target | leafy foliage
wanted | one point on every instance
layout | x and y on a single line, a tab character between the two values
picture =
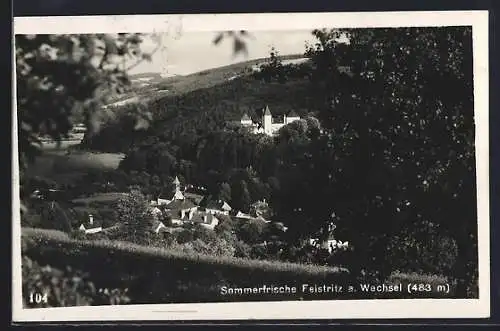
66	78
402	130
64	288
134	214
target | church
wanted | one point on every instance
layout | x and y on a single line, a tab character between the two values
267	124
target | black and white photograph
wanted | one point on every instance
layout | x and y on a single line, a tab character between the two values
251	166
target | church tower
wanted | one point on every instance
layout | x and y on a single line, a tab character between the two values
267	121
177	184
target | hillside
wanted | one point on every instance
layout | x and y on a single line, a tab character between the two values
205	102
154	275
147	86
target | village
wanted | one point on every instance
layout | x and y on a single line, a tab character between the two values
181	207
173	211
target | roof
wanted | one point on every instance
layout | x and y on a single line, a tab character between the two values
226	206
87	225
245	117
262	219
157	224
180	205
196	198
173	195
176	181
242	215
198	217
267	111
293	114
210	203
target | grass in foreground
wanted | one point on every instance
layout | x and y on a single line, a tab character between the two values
154	275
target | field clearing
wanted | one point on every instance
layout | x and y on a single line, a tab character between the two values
100	198
64	166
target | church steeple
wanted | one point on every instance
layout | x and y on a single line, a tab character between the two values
267	121
267	112
177	184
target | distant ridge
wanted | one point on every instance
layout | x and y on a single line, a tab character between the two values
238	64
149	86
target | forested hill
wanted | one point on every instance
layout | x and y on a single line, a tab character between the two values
202	110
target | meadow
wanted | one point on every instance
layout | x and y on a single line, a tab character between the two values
65	164
154	275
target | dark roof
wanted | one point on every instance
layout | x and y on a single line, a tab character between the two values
293	114
196	198
245	117
210	203
180	204
87	225
198	217
205	201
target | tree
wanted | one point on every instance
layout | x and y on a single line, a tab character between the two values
61	79
134	213
66	79
241	196
225	192
398	109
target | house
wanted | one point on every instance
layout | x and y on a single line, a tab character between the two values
157	226
330	244
267	124
215	207
194	197
204	219
91	227
246	120
156	211
242	215
281	226
172	196
178	209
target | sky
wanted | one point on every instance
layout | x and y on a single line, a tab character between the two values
194	51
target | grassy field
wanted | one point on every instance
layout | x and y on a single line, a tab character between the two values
57	164
155	275
100	198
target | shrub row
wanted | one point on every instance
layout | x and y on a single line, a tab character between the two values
154	275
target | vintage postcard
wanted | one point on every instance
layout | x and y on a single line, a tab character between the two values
251	166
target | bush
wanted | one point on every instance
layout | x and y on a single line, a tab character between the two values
422	251
251	231
62	288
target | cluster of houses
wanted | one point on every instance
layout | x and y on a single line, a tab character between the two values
329	243
181	208
267	123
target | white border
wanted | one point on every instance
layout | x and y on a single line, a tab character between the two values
359	309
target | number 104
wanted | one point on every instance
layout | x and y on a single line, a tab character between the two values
38	298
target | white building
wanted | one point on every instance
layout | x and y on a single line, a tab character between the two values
173	196
91	227
267	125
